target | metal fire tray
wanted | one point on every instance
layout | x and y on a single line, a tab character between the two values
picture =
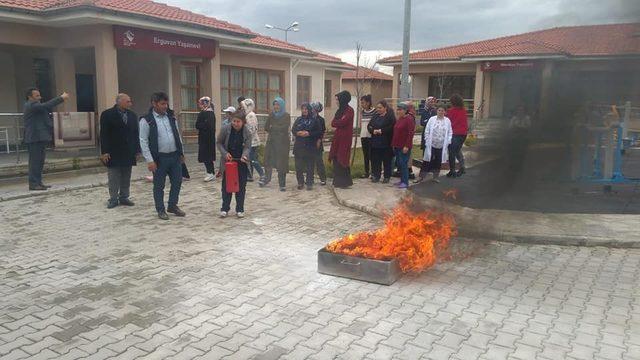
374	271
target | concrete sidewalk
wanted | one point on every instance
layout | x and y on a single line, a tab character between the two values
620	231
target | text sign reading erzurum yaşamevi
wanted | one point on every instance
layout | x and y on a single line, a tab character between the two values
140	39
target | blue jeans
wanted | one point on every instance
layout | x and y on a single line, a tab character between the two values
255	164
168	164
403	164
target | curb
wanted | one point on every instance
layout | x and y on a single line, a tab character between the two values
470	229
60	190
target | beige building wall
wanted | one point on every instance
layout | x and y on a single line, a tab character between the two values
141	84
336	86
8	90
316	72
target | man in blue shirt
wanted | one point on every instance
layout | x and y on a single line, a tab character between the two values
162	149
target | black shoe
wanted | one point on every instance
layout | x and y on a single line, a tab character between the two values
386	180
126	202
451	174
283	189
37	188
112	204
460	172
176	211
47	186
300	187
163	215
323	182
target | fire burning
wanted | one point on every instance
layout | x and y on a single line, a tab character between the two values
416	239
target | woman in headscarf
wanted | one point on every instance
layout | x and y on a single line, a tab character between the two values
340	152
234	144
248	107
307	132
276	153
322	172
206	125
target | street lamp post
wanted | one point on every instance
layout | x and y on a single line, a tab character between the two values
293	27
404	80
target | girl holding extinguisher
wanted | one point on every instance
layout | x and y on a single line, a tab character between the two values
234	144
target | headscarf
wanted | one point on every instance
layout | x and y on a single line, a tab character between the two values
343	99
306	121
316	108
206	101
280	102
248	106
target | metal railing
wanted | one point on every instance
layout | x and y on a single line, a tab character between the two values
11	124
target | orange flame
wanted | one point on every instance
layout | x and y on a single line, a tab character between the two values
451	193
415	239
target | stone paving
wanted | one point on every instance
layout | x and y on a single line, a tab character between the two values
81	281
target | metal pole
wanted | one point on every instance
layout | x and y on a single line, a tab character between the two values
17	126
286	39
404	80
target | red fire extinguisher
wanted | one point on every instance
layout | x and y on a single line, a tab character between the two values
231	176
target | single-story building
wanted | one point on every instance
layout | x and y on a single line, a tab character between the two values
94	49
558	68
378	84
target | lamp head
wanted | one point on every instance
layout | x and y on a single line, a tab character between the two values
268	26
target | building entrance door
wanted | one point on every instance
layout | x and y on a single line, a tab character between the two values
85	90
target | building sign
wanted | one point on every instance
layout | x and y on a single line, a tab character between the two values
495	66
140	39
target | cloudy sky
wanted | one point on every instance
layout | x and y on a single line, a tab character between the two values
334	26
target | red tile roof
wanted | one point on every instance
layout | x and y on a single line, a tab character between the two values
166	12
572	41
366	74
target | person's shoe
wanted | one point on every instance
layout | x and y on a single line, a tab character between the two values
397	183
262	182
283	189
209	177
45	185
163	215
460	172
176	211
375	180
186	179
240	214
37	188
402	186
411	176
126	202
451	173
223	214
309	187
219	174
386	180
300	187
323	182
112	204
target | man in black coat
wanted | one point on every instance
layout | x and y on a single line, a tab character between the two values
119	142
38	132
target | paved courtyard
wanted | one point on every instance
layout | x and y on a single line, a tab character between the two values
81	281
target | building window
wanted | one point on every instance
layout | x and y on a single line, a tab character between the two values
328	99
442	87
189	95
260	85
42	74
304	90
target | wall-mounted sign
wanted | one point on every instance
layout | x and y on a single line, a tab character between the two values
140	39
494	66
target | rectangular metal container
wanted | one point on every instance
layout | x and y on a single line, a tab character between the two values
374	271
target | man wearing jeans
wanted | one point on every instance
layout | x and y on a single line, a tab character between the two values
38	133
162	149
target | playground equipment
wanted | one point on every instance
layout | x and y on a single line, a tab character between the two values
604	144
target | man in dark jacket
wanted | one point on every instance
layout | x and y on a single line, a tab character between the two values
161	146
119	143
38	132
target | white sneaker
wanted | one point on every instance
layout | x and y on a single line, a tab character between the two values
209	177
223	214
240	215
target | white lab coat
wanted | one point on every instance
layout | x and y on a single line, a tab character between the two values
428	139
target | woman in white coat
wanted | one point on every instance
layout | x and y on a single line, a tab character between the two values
437	137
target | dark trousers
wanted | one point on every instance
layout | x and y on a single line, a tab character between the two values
282	175
435	163
366	151
341	175
255	163
119	183
402	160
381	158
243	173
36	161
455	151
305	163
208	165
185	171
322	172
168	164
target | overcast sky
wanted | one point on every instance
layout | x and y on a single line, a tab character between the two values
334	26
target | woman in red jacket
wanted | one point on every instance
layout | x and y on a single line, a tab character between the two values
458	116
402	141
340	152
